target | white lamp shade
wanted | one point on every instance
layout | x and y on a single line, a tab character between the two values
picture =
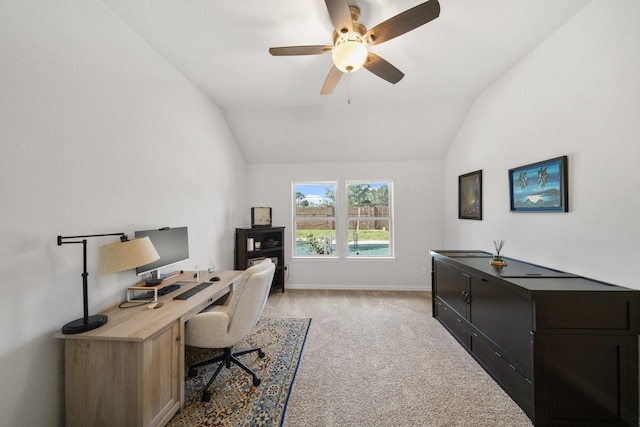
349	55
120	256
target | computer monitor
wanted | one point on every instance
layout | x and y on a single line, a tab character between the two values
172	245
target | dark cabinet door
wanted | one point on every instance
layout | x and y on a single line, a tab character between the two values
505	317
586	380
453	286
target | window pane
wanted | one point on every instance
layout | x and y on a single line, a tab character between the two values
370	211
315	218
313	212
369	219
370	193
315	237
313	200
369	237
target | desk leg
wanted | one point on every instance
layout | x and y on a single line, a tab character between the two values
181	361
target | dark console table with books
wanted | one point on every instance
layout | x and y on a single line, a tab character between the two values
564	347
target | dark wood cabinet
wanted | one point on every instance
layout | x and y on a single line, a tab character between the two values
254	244
564	347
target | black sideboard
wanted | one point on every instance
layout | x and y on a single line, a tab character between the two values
564	347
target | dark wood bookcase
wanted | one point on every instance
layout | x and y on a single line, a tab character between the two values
271	242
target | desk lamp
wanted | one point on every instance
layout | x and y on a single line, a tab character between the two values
117	256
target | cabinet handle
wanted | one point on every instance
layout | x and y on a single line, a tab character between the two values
178	338
466	296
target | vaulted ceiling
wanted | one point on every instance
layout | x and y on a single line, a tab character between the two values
273	104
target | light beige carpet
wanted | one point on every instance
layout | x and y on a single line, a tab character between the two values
377	358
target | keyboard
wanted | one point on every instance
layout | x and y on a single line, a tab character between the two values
191	292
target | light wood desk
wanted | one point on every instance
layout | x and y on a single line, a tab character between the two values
130	372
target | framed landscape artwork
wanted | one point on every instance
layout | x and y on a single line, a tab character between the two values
470	195
540	187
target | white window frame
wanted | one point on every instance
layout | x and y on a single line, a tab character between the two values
335	220
341	221
348	218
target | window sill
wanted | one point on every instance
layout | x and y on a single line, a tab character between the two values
357	258
315	257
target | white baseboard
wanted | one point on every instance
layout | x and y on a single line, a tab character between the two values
359	287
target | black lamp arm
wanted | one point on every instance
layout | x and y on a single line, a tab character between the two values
123	237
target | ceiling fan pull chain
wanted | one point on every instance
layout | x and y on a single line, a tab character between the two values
349	88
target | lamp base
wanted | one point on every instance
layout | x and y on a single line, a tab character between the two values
80	325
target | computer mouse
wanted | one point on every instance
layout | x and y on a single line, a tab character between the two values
214	279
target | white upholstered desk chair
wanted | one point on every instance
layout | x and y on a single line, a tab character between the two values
225	325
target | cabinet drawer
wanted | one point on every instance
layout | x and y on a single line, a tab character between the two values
598	311
505	374
452	321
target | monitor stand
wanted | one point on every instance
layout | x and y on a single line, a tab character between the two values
166	276
155	278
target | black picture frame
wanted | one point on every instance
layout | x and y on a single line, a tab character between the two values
260	217
470	195
540	187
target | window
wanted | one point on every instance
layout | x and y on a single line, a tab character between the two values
315	219
356	224
369	219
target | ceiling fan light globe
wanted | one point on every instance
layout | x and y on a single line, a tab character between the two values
349	55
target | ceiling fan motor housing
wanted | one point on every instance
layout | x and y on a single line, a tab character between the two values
349	48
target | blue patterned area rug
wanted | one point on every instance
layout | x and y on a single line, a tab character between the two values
235	401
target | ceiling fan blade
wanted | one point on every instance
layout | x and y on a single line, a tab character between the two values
332	81
383	69
340	15
299	50
403	22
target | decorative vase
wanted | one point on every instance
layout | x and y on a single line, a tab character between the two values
498	261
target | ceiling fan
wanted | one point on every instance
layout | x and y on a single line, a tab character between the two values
351	40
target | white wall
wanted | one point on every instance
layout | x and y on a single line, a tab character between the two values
577	94
418	221
98	134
